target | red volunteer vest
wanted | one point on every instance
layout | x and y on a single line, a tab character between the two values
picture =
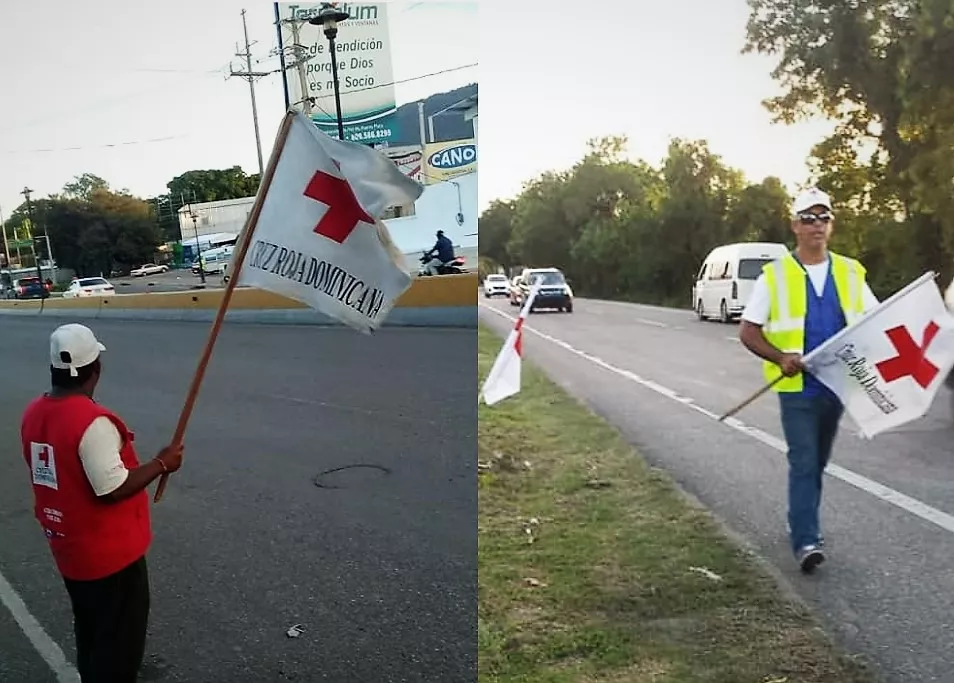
90	538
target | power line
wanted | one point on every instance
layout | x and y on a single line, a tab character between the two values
103	146
254	74
405	80
221	70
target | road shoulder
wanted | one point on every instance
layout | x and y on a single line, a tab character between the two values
593	565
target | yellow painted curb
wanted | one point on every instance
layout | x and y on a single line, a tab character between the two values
425	292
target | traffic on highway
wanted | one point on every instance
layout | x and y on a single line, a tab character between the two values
665	377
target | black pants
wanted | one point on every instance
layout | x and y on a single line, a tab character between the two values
109	621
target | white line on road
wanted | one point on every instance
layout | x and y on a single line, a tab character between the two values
41	641
647	321
889	495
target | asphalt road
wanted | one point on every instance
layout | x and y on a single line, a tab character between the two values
380	571
172	281
662	377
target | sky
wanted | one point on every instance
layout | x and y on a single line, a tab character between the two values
101	72
154	74
648	69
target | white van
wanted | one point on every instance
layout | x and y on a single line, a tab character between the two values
725	281
214	260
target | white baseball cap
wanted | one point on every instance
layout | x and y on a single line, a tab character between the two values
809	198
73	346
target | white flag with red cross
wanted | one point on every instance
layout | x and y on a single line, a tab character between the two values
318	239
888	366
503	381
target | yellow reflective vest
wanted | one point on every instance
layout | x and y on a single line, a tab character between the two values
788	296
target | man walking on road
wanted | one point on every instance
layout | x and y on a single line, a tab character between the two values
90	499
798	302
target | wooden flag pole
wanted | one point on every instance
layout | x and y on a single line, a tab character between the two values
751	398
237	261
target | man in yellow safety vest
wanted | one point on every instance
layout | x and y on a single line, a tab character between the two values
799	301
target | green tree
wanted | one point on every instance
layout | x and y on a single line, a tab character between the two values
880	69
213	185
540	232
496	228
762	213
82	186
92	228
694	215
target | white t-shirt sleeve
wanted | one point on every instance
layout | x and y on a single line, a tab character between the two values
949	296
99	452
869	299
757	309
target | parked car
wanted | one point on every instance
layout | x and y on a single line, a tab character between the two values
148	269
496	285
727	276
28	288
554	291
89	286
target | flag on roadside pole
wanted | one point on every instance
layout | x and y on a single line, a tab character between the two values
888	366
503	381
318	238
314	235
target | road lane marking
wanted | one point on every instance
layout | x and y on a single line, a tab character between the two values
870	486
647	321
41	641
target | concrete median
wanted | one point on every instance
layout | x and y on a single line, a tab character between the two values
444	301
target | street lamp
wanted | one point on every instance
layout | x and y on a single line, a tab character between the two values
198	250
328	18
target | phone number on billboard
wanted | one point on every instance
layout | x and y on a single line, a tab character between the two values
370	134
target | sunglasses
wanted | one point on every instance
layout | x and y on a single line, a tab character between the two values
812	218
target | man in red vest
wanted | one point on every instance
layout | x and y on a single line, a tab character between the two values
90	499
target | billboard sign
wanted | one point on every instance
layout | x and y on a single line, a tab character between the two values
409	163
365	72
446	160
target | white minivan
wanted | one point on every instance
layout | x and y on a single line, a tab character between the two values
725	281
214	260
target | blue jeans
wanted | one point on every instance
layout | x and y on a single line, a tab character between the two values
810	423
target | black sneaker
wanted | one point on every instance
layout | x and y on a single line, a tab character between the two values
821	539
809	557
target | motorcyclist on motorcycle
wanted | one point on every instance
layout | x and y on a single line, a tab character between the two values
445	254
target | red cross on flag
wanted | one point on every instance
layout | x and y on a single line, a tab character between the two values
317	238
503	381
888	366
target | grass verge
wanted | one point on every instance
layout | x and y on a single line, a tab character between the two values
594	568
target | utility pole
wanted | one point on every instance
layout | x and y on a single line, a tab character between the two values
6	244
420	121
300	61
250	76
36	257
195	229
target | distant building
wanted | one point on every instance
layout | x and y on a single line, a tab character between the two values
225	215
450	206
205	242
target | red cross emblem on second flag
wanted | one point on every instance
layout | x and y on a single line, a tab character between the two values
910	360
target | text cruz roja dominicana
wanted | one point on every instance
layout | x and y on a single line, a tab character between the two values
333	281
